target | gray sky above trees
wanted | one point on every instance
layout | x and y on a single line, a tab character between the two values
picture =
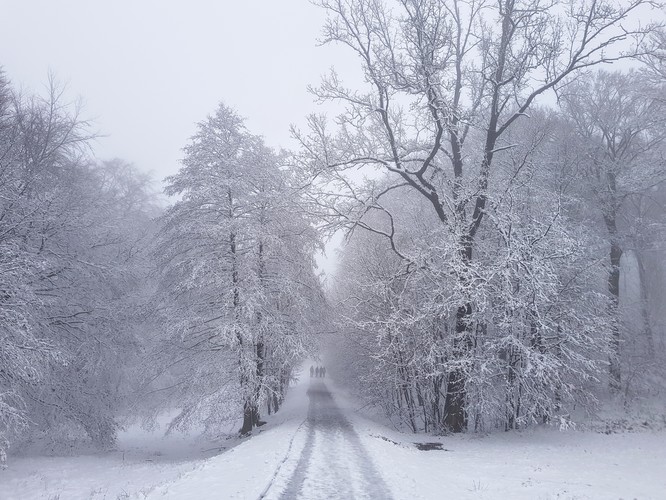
148	70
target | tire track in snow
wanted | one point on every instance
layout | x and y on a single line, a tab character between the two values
281	464
334	463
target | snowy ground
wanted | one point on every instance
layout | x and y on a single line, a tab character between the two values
350	455
142	461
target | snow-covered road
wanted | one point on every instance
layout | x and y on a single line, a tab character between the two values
319	446
333	463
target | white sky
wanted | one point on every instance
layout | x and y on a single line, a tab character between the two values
148	70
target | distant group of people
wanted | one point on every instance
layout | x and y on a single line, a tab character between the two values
319	371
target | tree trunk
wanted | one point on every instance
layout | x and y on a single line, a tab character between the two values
512	402
455	414
260	348
537	344
614	291
645	304
436	411
406	393
250	417
250	410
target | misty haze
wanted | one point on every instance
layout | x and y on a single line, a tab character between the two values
333	249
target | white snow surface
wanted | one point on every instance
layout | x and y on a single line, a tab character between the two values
292	457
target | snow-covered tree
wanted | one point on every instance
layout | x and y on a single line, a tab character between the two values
69	270
238	290
446	83
620	131
539	342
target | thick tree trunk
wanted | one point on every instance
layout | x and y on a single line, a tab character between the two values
455	419
615	256
250	410
250	417
260	353
614	289
260	348
455	413
645	304
251	414
610	219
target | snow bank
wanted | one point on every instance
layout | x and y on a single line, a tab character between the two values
147	465
247	470
542	463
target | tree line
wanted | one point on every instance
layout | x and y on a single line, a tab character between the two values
501	190
114	307
516	179
72	231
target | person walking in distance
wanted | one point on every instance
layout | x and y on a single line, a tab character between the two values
311	371
323	372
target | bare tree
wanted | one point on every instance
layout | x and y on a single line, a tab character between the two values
620	135
655	61
447	79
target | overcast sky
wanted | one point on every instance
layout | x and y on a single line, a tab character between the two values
148	70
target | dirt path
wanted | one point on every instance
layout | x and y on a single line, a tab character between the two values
333	463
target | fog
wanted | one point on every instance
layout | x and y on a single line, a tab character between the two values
148	71
498	174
